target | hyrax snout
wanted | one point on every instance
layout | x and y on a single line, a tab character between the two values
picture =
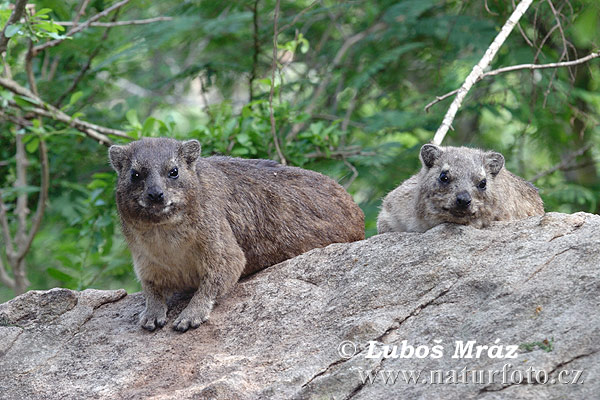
199	224
458	185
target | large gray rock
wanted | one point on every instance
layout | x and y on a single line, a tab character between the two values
313	327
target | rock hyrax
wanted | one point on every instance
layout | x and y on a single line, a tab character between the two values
460	185
200	224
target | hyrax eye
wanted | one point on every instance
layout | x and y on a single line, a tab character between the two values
481	185
174	173
135	176
444	178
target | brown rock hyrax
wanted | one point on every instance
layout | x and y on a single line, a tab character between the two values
200	224
459	185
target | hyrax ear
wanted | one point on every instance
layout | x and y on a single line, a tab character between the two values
430	153
190	151
493	162
118	155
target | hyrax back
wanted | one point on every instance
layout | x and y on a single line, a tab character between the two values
200	223
459	185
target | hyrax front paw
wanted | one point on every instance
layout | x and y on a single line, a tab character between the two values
191	318
153	318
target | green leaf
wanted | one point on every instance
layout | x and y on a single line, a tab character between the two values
60	275
33	144
74	97
148	127
132	118
12	30
43	11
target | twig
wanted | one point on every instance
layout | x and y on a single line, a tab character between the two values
273	68
87	65
478	70
80	27
15	17
341	154
119	23
25	239
348	43
564	163
582	60
440	98
297	17
354	174
499	71
10	250
565	52
94	131
80	12
256	49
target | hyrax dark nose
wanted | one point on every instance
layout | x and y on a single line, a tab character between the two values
463	199
155	195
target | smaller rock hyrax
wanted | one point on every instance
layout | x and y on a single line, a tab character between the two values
200	224
459	185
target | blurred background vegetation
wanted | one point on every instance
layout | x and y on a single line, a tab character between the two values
351	83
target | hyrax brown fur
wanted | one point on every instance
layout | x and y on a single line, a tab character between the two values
200	224
459	185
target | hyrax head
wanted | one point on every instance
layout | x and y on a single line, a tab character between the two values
457	182
156	178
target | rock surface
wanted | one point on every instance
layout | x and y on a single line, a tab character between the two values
303	329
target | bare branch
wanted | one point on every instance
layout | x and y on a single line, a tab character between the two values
41	206
354	174
512	68
273	68
348	43
80	27
297	17
478	69
80	12
440	98
350	151
87	65
4	278
94	131
6	230
119	23
14	18
256	44
21	209
582	60
564	164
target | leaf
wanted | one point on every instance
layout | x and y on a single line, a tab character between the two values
12	30
74	97
132	118
43	11
148	127
33	144
60	275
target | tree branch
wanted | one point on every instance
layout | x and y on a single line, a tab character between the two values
348	43
41	206
564	164
80	27
256	45
4	278
477	71
10	250
87	65
512	68
13	19
80	12
94	131
273	68
119	23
